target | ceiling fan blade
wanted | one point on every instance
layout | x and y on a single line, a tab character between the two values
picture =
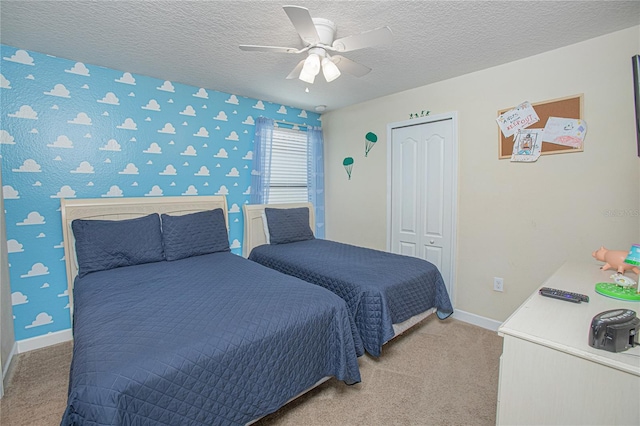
375	37
296	71
254	48
303	23
349	66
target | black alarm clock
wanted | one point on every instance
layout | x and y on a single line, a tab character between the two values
615	331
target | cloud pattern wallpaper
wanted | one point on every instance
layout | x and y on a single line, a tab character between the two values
73	130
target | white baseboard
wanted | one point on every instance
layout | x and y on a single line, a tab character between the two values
484	322
14	350
43	341
7	363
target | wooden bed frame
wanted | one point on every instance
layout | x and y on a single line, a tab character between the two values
254	235
124	208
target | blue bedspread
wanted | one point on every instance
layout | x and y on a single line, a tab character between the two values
380	288
207	340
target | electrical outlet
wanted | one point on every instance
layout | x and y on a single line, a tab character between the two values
498	284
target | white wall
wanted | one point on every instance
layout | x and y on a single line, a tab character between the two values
517	221
7	338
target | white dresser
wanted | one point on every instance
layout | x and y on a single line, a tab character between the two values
549	375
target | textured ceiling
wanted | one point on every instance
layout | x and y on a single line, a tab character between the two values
196	42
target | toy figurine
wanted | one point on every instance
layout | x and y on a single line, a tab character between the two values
622	281
614	259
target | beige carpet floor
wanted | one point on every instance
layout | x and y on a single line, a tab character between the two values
438	373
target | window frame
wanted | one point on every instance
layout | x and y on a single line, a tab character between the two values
289	149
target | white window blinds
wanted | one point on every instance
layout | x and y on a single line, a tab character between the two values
289	171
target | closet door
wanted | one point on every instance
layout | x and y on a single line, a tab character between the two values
422	185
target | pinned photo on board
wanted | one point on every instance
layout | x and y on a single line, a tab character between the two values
565	131
527	145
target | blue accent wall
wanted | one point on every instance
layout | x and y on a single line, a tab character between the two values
73	130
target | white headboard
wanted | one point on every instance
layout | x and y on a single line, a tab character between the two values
125	208
254	235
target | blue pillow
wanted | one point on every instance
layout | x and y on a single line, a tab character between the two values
288	225
108	244
194	234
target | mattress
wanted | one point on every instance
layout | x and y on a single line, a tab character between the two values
380	288
207	340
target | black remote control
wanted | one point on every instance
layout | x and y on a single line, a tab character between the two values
564	295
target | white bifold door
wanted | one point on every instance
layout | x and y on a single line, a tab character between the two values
422	178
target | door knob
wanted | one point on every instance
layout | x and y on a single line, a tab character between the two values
432	241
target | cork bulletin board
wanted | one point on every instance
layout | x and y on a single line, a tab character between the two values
569	107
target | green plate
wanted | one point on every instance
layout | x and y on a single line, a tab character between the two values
613	290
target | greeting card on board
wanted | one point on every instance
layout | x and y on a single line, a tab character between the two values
565	131
517	118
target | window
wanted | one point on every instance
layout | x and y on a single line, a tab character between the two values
289	167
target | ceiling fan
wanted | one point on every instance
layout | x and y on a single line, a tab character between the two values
318	36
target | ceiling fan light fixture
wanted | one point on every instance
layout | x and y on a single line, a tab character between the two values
310	69
330	70
312	64
319	37
307	77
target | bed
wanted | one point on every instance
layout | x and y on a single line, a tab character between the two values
197	337
386	293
